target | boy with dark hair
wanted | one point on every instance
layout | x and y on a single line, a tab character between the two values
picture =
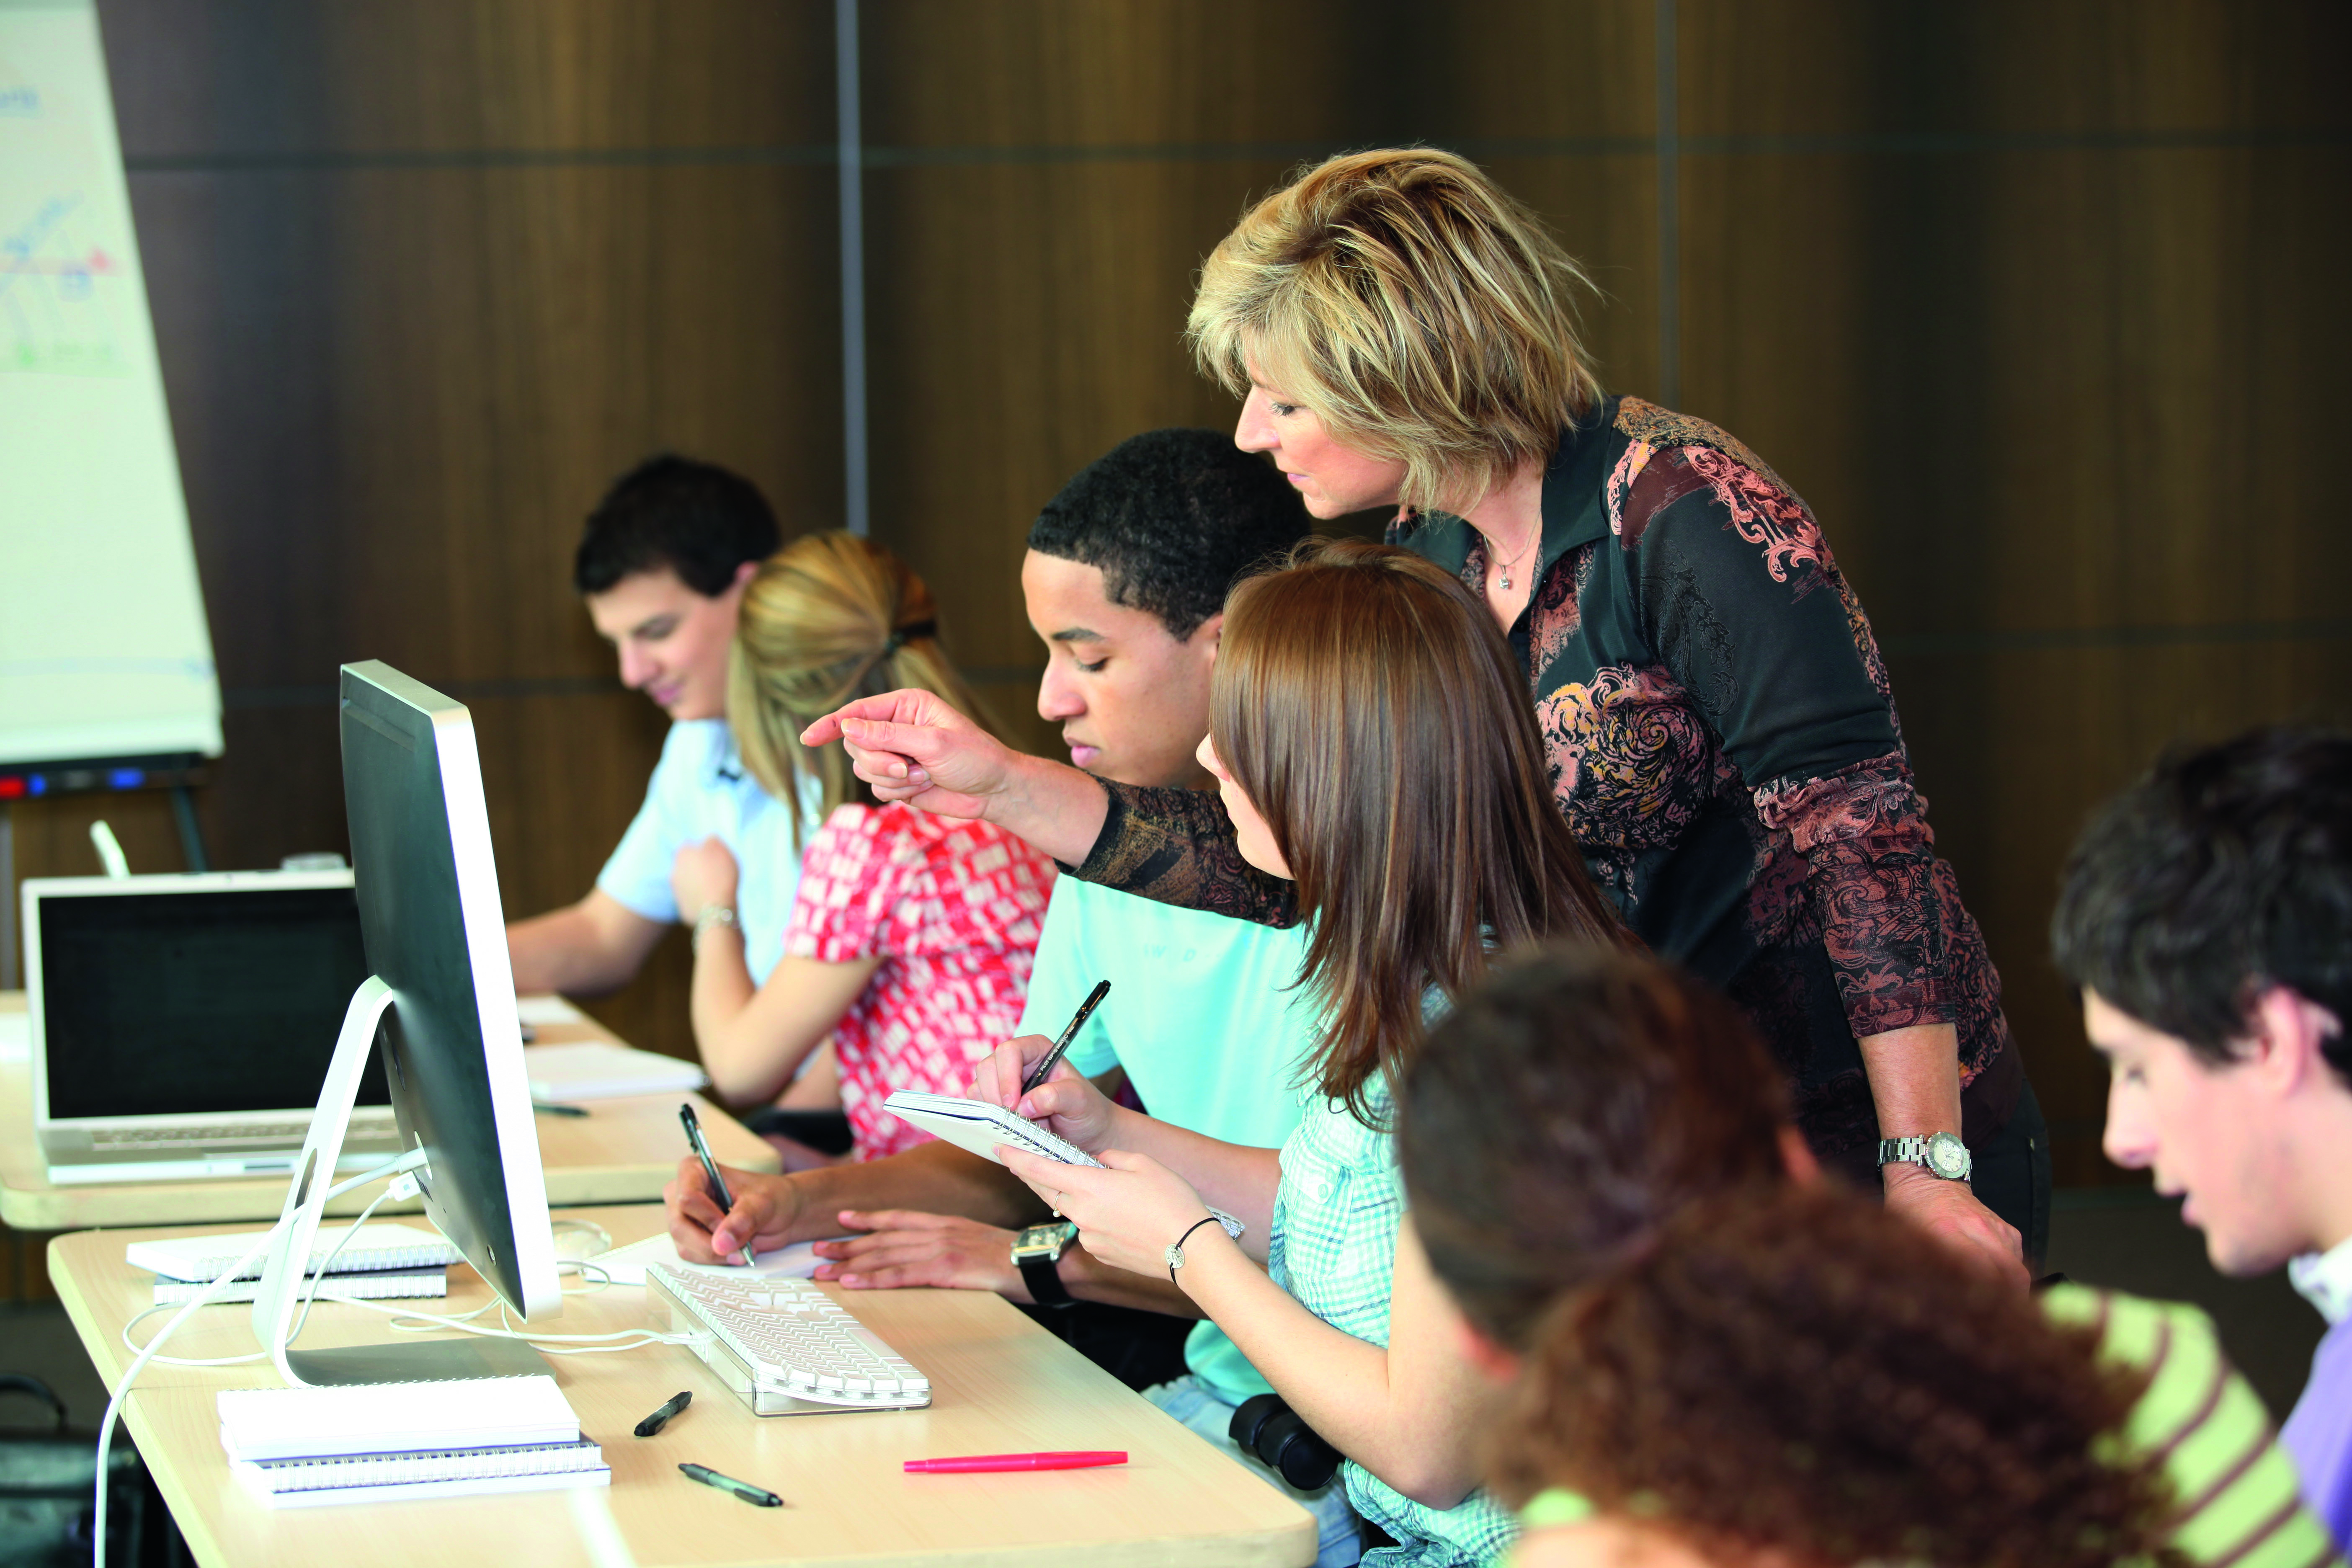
1125	584
2207	915
661	567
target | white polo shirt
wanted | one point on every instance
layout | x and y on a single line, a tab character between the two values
700	788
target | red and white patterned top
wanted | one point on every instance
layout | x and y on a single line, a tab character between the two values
953	910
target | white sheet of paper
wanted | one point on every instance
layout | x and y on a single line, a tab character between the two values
16	1036
547	1009
627	1265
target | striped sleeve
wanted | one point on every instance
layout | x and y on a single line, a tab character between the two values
2234	1498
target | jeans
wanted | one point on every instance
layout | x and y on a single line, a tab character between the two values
1189	1400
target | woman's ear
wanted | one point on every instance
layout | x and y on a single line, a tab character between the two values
1797	1158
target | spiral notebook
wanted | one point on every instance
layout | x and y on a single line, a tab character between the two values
447	1472
385	1285
378	1246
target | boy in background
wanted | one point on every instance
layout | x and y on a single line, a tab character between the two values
661	567
2207	915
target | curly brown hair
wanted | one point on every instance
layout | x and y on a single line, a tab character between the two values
1563	1111
1797	1371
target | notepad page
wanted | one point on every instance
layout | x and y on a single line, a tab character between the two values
627	1265
394	1417
593	1069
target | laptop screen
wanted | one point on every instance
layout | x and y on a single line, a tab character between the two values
194	1003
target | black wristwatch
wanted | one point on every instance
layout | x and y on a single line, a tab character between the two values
1038	1253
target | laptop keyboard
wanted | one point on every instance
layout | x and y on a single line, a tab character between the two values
243	1135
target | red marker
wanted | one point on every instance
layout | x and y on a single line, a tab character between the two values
974	1463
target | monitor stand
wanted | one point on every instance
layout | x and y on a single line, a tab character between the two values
284	1271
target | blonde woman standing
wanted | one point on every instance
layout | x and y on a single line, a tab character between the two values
1720	730
912	938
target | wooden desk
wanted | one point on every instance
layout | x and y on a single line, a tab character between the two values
621	1152
1000	1385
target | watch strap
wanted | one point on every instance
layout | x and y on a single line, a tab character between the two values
1043	1275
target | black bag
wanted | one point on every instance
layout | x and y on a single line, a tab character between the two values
47	1498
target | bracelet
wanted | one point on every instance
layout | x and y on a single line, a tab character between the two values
1176	1253
715	915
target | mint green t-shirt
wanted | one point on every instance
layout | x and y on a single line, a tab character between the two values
1201	1015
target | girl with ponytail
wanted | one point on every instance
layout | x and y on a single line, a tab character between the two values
911	943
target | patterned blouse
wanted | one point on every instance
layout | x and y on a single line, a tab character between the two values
1724	743
1333	1246
953	910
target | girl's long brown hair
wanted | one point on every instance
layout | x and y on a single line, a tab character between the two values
1794	1374
827	620
1369	707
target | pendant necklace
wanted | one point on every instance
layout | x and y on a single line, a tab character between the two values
1503	572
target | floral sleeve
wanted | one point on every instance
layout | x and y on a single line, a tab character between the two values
1177	846
1740	598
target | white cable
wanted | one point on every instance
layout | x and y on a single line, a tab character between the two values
203	1298
408	1321
122	1389
317	1276
328	1262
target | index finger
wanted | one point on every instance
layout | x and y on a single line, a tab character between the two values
828	729
893	1219
996	1077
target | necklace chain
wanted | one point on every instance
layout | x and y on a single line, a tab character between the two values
1503	570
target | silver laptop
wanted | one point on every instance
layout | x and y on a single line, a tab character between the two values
182	1025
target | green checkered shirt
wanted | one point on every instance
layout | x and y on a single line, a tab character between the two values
1334	1247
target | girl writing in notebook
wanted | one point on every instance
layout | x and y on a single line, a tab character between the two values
1373	741
912	942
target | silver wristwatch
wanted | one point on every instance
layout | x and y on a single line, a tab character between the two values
1938	1153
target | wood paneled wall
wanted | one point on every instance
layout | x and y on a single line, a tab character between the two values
2039	306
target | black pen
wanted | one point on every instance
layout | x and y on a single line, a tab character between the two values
660	1418
719	1193
1085	1011
744	1490
550	1108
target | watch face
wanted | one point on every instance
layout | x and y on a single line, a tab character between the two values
1045	1238
1948	1156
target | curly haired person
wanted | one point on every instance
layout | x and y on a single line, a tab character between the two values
1717	1357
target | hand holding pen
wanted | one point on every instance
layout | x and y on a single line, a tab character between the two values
1015	1074
719	1193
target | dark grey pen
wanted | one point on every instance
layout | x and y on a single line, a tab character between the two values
660	1418
760	1496
1085	1011
719	1193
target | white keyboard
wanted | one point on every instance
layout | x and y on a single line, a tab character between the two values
785	1346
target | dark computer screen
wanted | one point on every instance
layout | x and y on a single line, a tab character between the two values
174	1004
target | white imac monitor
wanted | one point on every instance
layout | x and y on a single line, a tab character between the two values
452	1047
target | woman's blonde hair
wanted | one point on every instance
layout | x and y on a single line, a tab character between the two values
827	620
1421	312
